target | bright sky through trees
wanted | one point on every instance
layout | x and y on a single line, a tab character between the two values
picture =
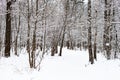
86	0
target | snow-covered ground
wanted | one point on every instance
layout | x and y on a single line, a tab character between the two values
73	65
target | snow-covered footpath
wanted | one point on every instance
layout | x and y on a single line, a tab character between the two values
73	65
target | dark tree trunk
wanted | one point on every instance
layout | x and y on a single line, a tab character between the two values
90	33
56	48
33	48
68	44
8	30
61	46
52	51
95	45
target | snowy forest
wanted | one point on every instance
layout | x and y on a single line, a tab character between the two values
59	39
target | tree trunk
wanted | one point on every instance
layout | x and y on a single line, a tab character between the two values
95	45
53	51
33	48
61	46
34	40
115	33
107	28
90	33
28	33
95	37
44	24
8	30
16	36
18	30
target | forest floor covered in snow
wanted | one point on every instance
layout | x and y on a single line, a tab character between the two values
73	65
